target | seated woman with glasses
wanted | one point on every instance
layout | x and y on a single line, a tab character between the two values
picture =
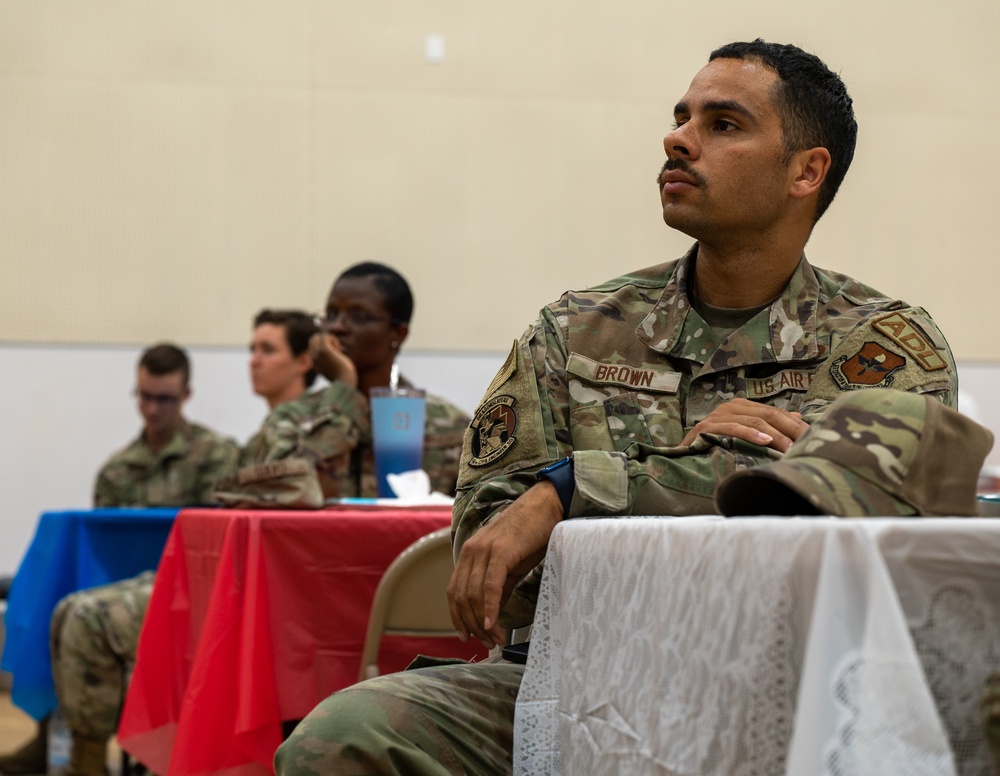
366	321
172	462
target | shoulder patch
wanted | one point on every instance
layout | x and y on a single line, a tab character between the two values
870	367
900	330
492	431
508	368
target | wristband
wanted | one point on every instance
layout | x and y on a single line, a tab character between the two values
560	474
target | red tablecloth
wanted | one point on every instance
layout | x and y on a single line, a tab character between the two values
256	617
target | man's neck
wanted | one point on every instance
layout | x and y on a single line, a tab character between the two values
157	441
744	277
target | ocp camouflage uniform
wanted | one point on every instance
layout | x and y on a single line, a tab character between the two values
615	376
94	635
179	474
989	714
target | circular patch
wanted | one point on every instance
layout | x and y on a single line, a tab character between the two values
493	430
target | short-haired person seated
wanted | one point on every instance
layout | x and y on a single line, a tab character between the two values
638	396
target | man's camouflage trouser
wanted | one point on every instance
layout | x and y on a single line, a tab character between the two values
451	719
989	714
94	637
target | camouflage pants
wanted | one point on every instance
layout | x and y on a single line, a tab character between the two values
452	719
989	714
93	637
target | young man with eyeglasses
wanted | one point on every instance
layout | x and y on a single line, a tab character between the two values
173	462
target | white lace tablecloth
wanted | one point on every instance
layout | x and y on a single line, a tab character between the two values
697	646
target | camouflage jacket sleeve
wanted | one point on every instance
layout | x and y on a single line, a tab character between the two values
901	348
322	427
444	428
319	425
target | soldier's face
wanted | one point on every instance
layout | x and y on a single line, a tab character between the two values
276	372
357	316
161	398
726	172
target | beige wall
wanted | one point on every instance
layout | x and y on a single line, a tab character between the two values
166	169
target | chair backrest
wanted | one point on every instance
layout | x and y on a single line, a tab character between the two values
410	599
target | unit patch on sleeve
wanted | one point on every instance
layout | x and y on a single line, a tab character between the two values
493	430
898	328
870	367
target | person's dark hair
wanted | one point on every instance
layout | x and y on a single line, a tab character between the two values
813	104
165	359
299	328
394	288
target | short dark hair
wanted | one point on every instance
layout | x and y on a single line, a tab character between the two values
165	359
394	288
299	328
813	104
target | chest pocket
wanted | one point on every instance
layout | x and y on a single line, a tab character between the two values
626	422
605	415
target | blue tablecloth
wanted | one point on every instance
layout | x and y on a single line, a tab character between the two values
70	551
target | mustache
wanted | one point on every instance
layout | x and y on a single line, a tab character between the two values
682	165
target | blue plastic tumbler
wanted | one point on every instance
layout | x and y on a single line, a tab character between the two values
397	433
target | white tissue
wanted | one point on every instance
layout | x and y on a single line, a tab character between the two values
415	487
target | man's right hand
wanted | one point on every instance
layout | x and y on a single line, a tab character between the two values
330	360
759	424
496	557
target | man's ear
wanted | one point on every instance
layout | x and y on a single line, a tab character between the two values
809	168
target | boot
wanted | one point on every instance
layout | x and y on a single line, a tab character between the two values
32	757
88	757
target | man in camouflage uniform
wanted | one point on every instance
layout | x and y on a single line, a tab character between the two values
172	463
640	395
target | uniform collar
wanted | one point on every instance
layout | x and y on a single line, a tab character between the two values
783	332
140	454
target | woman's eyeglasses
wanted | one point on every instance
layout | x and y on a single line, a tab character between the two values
354	317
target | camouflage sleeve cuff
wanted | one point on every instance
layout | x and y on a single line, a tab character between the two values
601	482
